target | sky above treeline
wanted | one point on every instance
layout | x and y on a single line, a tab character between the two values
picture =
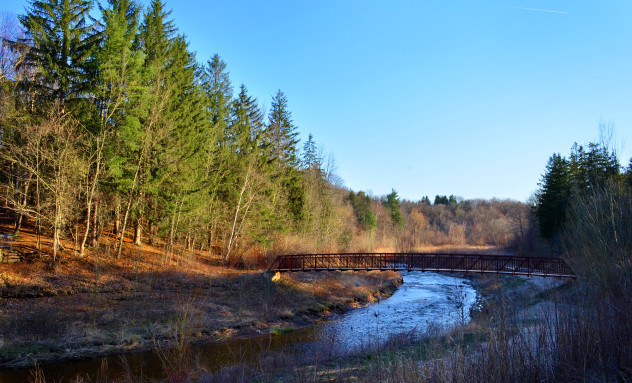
430	97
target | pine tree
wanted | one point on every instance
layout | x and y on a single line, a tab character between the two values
118	91
219	91
593	167
246	123
63	40
310	158
392	204
441	200
142	140
553	196
628	174
281	133
361	204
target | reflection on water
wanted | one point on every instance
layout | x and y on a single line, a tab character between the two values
423	300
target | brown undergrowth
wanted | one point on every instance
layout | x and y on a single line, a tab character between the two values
98	305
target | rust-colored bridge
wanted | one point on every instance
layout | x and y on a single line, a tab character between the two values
454	263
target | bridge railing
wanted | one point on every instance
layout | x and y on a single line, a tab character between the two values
499	264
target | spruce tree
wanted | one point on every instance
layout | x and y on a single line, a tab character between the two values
628	174
361	204
246	123
553	196
117	90
63	39
592	167
310	158
281	133
138	157
392	204
219	93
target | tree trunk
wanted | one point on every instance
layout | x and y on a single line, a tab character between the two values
150	233
129	202
117	218
20	217
86	231
91	194
96	229
56	229
169	240
122	233
138	230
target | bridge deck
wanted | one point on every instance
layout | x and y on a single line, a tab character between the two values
456	263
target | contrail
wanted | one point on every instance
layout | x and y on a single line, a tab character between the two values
540	10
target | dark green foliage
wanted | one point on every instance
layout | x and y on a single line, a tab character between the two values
441	200
552	199
281	133
361	204
63	40
219	94
592	167
444	200
246	123
295	195
628	174
166	149
587	169
310	158
392	204
156	35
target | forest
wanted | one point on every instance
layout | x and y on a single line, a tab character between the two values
133	173
112	130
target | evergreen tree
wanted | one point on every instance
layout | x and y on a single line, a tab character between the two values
141	142
246	123
593	167
281	133
219	91
63	40
553	196
628	174
118	92
441	200
280	143
361	204
310	158
392	204
177	167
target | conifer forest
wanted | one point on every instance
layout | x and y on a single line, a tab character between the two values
115	126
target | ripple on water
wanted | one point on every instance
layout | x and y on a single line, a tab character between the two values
424	300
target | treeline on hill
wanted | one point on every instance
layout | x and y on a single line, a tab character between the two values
408	226
112	126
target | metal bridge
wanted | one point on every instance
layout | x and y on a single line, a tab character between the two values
452	262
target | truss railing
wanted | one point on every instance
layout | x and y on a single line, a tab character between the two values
455	263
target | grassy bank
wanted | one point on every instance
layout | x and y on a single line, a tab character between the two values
92	306
511	319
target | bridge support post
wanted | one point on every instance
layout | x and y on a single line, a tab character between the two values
272	277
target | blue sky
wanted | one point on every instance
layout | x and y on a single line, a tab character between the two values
430	97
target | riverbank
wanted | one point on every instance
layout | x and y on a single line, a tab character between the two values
96	305
511	312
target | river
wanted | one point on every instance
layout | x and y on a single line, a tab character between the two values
424	301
